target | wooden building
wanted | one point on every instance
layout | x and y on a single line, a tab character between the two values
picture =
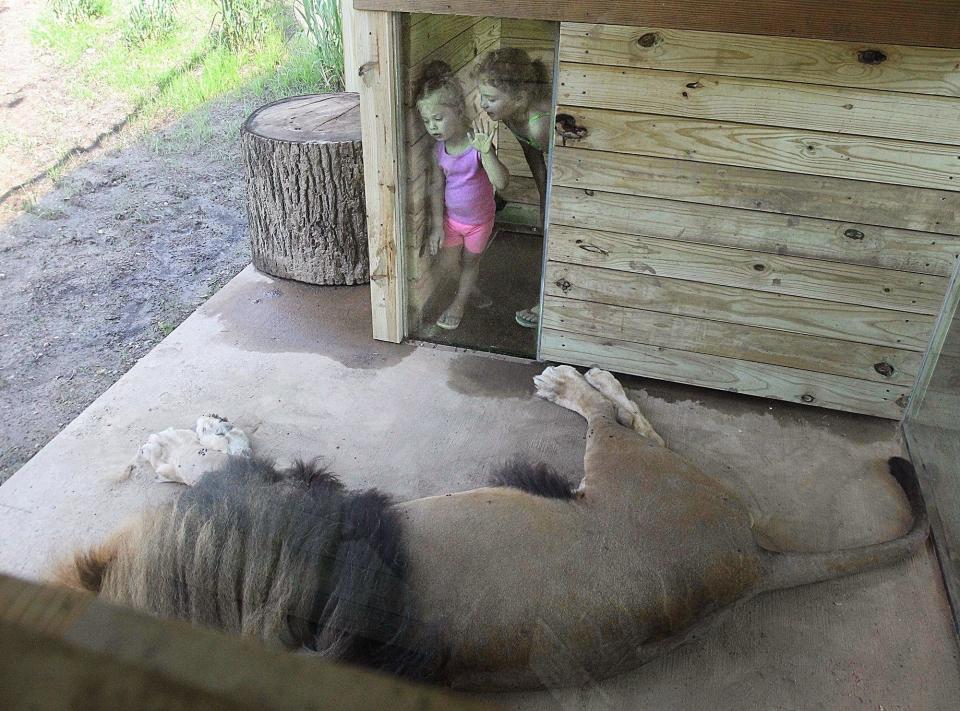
765	200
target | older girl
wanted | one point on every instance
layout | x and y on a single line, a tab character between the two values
515	90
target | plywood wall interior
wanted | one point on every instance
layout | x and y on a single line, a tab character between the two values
765	215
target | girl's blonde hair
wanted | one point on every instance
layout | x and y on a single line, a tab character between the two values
510	69
439	83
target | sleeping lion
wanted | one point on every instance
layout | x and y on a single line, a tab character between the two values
524	584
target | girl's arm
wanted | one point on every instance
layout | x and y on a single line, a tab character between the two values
541	131
538	168
438	185
496	171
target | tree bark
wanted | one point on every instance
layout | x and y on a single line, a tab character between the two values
305	203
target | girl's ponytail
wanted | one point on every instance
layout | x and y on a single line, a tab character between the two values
437	77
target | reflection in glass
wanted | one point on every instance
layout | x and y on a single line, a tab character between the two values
932	427
478	112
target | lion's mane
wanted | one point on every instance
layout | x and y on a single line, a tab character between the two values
288	556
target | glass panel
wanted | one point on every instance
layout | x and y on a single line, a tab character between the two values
932	428
478	126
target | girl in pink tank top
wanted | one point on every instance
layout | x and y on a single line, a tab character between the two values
467	172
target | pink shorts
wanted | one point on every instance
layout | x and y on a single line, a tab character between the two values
474	238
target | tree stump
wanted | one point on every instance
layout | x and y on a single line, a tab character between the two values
305	204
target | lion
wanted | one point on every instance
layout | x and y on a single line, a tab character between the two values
528	583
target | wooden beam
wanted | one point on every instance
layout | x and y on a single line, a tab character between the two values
62	649
374	44
928	23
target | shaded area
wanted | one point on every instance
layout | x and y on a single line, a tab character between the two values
932	427
883	638
510	275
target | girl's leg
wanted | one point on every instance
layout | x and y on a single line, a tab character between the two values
469	271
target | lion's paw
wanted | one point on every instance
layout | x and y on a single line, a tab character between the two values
217	433
563	385
628	413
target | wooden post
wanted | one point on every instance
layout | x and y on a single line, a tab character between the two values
374	46
305	203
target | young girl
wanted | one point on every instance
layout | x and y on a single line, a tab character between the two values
469	170
515	90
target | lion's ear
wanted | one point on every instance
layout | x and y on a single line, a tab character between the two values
86	570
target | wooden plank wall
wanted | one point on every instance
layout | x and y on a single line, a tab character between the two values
539	40
458	41
771	216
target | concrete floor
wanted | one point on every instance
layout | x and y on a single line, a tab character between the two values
294	365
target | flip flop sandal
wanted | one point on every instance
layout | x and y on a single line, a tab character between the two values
527	318
449	324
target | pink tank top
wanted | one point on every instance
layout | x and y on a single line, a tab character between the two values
468	196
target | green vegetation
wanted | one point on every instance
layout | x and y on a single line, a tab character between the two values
323	23
76	10
149	20
245	23
169	58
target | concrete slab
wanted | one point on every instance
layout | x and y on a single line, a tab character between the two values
294	365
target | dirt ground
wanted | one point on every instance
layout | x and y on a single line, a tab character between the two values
97	267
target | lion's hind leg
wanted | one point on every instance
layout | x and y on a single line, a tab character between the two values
628	414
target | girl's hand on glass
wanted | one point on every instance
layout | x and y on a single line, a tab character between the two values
481	135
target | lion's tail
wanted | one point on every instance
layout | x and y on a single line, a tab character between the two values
787	570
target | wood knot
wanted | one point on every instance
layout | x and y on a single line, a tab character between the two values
884	368
649	39
807	397
566	127
759	267
853	234
871	56
563	284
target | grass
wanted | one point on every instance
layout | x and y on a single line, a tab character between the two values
168	76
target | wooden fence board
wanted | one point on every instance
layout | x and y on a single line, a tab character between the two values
787	235
760	345
830	319
760	379
841	110
919	70
852	201
882	160
797	276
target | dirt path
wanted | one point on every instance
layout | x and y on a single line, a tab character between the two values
102	266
